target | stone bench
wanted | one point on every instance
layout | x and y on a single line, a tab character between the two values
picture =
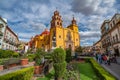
11	63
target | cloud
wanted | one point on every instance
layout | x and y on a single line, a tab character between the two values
88	7
89	37
9	4
89	34
31	17
26	35
23	39
85	6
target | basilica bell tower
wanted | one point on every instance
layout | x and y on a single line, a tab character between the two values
56	20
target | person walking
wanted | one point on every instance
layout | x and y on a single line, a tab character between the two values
114	59
99	58
108	59
96	56
104	58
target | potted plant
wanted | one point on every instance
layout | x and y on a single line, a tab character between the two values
38	66
38	61
1	65
24	60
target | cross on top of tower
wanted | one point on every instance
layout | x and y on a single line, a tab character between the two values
73	20
56	12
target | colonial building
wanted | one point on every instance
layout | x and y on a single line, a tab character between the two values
110	37
8	39
57	36
97	47
22	45
87	50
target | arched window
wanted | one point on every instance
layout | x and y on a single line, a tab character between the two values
57	23
54	36
69	35
60	24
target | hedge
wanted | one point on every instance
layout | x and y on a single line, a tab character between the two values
23	74
8	54
31	57
100	71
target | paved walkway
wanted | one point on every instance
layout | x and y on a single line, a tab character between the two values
114	69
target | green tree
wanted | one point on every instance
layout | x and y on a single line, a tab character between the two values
59	64
79	50
68	55
39	55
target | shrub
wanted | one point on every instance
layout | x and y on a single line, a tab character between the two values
59	55
1	52
102	73
72	75
48	56
23	74
79	50
60	69
59	63
39	55
31	57
8	53
68	55
15	54
1	62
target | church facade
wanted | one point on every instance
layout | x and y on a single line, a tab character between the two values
57	36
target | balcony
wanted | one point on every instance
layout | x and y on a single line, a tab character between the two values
1	26
6	40
115	42
11	42
118	20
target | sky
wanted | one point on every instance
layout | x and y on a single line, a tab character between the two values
28	18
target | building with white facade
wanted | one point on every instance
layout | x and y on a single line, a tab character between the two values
97	47
8	39
110	37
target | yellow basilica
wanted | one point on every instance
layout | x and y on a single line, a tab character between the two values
57	36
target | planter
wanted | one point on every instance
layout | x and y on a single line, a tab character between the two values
1	67
38	69
12	65
41	68
24	62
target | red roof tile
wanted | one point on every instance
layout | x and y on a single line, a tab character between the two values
45	32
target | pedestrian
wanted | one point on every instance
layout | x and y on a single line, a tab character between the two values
108	59
104	58
114	59
99	58
96	56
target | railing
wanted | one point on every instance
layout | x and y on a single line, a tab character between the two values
10	42
118	20
116	41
